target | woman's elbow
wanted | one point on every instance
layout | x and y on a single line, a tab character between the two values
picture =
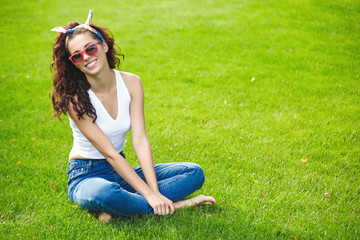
112	157
140	142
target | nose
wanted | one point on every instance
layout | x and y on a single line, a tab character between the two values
86	57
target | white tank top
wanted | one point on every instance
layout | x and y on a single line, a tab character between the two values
114	129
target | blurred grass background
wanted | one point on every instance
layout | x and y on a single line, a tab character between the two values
263	94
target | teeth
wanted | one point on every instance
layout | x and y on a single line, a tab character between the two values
91	64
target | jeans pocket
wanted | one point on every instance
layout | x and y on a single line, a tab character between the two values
76	170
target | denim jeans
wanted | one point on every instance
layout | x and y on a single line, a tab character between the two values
95	185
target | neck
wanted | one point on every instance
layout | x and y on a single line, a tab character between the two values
103	81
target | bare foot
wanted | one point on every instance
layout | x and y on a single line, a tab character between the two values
201	199
104	217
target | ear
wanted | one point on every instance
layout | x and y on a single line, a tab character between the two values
105	46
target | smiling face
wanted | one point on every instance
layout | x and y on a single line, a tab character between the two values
91	64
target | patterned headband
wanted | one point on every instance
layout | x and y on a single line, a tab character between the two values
86	25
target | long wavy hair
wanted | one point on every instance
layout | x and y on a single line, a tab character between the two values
70	84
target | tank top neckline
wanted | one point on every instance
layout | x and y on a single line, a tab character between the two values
117	98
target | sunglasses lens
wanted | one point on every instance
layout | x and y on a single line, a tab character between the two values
77	58
91	50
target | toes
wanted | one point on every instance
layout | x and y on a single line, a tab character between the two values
201	199
209	200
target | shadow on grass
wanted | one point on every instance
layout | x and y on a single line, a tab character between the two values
200	222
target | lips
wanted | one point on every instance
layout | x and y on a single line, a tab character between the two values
91	64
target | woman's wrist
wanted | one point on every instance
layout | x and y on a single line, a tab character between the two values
147	193
154	187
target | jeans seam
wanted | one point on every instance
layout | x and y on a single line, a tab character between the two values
177	179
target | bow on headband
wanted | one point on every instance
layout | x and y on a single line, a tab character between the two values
86	25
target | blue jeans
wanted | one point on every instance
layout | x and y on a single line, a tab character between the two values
95	185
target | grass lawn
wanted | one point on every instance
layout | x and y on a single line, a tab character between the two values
263	94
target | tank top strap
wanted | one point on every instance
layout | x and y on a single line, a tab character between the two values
122	91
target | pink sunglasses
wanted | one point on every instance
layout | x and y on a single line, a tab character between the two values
90	50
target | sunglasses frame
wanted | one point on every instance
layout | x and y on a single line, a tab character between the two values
84	52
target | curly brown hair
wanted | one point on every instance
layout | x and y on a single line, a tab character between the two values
70	84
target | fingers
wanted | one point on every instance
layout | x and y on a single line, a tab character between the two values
172	208
161	205
167	211
164	209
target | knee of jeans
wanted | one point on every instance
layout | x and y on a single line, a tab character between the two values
100	197
107	193
198	173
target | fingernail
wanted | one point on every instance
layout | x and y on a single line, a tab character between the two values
214	202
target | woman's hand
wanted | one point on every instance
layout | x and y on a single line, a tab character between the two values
161	205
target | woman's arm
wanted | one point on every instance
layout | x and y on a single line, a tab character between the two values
140	140
103	144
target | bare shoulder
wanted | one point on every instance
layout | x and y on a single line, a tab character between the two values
130	78
132	82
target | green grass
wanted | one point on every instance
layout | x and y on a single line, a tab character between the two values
196	60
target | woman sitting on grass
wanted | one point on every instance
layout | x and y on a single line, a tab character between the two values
103	104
